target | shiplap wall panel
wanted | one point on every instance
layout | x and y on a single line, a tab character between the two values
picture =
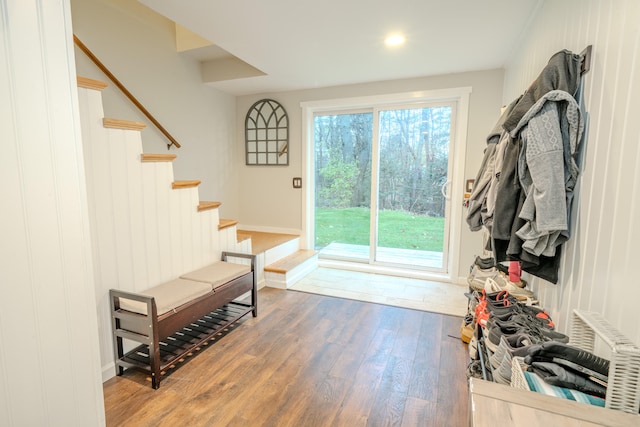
144	231
135	171
163	220
150	221
173	198
599	267
48	369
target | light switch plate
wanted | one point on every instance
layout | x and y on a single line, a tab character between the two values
297	182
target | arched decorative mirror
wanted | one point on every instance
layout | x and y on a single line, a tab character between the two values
267	134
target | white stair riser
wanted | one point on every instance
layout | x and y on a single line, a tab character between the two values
288	279
281	251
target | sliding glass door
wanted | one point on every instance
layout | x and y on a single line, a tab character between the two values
381	178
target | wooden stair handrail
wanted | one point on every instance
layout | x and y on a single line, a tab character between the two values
124	90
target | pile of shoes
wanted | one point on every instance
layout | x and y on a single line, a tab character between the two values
508	328
504	324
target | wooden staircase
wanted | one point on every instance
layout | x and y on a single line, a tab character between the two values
146	227
151	227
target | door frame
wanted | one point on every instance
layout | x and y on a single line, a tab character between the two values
460	96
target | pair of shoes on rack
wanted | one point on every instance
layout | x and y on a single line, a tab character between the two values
523	313
485	268
521	294
510	327
520	317
488	303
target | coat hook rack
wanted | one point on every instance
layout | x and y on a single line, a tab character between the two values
586	59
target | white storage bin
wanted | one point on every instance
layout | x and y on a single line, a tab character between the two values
623	389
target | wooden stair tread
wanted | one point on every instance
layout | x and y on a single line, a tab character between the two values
241	237
122	124
262	241
185	184
88	83
204	206
157	157
225	223
290	262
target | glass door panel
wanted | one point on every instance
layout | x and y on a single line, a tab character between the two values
342	144
414	147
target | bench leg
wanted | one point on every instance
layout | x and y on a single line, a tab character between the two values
254	297
154	363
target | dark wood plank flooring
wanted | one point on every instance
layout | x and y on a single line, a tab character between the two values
310	360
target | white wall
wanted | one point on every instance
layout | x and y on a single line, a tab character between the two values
268	198
598	271
138	46
49	360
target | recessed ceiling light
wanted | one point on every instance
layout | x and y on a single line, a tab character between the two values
394	40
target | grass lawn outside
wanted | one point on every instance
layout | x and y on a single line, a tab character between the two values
396	229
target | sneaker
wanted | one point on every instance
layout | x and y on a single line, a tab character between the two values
474	370
484	263
520	283
473	348
520	318
520	294
498	302
504	272
538	313
502	374
514	345
467	329
478	276
500	329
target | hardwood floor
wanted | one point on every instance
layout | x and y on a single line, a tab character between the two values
310	360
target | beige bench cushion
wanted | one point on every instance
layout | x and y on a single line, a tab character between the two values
218	273
168	296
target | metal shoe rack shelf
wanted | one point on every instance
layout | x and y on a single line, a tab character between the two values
592	333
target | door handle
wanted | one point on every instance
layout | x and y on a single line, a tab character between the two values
445	189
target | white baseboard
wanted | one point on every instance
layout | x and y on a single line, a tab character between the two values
108	371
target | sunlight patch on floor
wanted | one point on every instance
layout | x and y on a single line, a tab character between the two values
418	294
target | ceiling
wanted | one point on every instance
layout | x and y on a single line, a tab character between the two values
301	44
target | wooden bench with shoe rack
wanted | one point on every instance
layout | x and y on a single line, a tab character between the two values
173	319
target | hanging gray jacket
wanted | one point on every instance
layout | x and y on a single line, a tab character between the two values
550	132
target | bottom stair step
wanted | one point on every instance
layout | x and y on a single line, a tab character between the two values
292	261
286	271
